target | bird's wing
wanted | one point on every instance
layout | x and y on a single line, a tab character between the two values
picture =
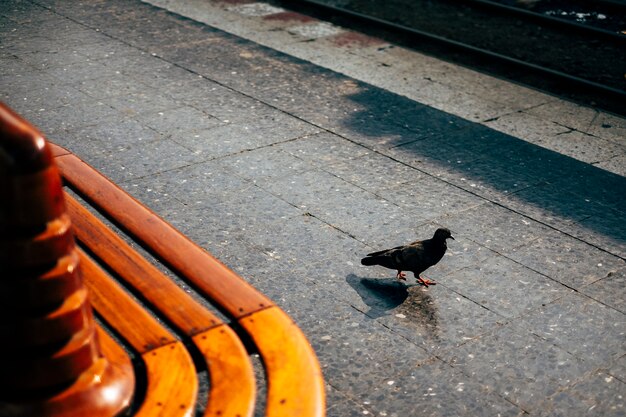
384	251
413	256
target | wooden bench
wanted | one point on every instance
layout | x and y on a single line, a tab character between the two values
110	266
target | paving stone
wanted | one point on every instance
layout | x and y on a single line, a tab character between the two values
111	87
24	12
48	98
594	184
107	52
76	73
119	133
346	207
230	138
550	204
610	290
58	121
265	164
598	394
199	184
217	100
324	149
11	65
315	241
376	173
606	230
429	198
505	287
518	365
583	147
584	119
137	104
255	9
436	389
237	217
358	354
489	178
433	156
566	260
15	85
618	369
47	60
535	130
577	324
208	46
343	406
179	121
494	227
615	164
159	201
434	318
121	162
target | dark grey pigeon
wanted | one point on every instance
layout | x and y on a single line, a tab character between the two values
416	257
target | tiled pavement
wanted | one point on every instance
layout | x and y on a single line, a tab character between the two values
290	172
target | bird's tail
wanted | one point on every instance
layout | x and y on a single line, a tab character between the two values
369	260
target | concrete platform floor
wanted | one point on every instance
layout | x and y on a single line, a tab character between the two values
289	155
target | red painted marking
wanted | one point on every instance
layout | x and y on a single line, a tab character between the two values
289	17
355	39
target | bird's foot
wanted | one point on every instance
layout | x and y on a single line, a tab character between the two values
425	282
401	276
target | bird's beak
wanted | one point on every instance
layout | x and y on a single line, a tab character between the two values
452	238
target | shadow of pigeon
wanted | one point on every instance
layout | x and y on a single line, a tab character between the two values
410	302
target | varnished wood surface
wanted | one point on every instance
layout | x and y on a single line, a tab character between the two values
172	382
21	291
104	389
232	378
233	388
212	278
36	198
55	241
181	308
139	328
295	383
51	362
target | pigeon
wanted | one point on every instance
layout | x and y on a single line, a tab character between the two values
416	257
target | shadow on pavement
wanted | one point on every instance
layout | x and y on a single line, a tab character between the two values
409	302
534	180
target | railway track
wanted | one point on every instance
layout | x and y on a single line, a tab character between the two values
567	58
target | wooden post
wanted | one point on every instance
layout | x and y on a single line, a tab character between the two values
51	363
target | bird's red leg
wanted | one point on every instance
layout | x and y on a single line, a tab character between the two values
425	282
401	276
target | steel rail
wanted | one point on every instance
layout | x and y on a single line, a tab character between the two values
549	20
550	80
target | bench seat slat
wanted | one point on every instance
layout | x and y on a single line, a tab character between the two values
172	382
295	382
170	370
233	387
139	328
212	278
160	291
295	385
